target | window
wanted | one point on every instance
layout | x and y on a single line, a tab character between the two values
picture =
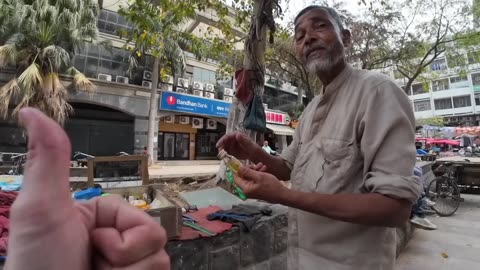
440	85
279	100
473	57
93	59
477	99
476	82
422	105
110	22
420	89
459	79
443	104
439	64
208	76
461	102
204	75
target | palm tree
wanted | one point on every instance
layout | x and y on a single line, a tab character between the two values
155	32
48	33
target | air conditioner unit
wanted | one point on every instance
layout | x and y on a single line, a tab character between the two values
197	122
182	91
265	106
209	95
147	75
121	79
228	99
211	124
198	93
169	119
104	77
183	82
228	92
210	87
198	85
184	120
170	88
147	84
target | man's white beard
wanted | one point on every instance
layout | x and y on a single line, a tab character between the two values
316	66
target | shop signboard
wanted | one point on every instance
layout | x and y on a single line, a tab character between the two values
176	102
278	118
171	101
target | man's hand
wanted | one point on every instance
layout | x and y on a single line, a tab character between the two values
238	145
257	184
49	231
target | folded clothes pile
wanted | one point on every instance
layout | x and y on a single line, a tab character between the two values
244	216
6	201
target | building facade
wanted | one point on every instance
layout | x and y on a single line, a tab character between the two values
447	90
115	118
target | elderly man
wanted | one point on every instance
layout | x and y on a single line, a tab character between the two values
351	160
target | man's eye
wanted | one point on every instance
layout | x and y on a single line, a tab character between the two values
319	25
299	38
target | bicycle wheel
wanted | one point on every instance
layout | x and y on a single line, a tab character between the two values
445	194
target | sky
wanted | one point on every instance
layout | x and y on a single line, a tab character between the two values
294	6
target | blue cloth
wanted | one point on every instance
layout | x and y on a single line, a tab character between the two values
421	152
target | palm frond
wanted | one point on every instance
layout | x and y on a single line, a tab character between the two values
8	55
82	83
30	79
9	90
57	56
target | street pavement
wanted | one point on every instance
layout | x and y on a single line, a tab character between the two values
457	237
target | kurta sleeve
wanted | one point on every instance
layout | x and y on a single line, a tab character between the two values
388	144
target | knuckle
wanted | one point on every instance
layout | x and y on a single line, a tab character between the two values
161	261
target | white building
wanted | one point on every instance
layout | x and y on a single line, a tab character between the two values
447	91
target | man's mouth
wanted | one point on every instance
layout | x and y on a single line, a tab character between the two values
314	51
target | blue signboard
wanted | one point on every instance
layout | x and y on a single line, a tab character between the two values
171	101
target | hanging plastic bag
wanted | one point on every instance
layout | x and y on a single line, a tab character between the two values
255	118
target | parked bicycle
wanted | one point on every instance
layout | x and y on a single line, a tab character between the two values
18	164
444	190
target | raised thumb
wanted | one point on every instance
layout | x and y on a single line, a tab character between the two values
47	169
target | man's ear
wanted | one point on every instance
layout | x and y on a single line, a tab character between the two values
346	38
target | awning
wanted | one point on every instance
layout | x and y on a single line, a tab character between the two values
281	130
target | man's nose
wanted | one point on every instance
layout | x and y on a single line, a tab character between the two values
310	37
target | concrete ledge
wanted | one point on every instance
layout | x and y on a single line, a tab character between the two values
265	247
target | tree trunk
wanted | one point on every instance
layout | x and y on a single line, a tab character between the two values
300	96
254	61
152	116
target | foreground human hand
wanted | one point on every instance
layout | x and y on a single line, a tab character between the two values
259	167
238	145
257	184
49	231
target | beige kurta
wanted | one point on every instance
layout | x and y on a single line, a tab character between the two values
356	138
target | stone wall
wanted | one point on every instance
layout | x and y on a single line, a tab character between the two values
263	248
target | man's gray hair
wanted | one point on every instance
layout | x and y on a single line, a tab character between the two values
332	12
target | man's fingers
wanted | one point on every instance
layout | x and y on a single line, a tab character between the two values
125	234
249	174
259	167
157	261
242	184
48	166
130	246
